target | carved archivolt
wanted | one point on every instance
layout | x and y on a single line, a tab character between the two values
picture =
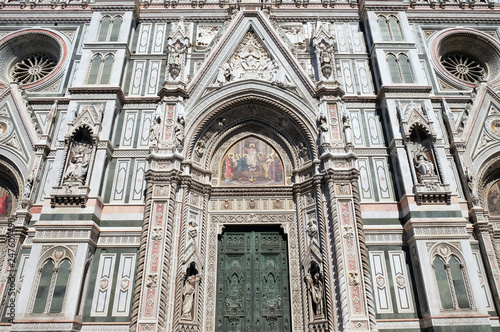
272	126
267	112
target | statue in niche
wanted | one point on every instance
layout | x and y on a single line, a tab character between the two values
188	292
324	53
423	165
420	146
154	132
179	132
315	288
346	121
79	163
323	130
176	59
312	228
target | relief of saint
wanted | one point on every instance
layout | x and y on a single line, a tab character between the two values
251	162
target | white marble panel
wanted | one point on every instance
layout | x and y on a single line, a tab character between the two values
143	40
153	77
147	118
380	282
137	75
483	280
139	181
348	76
455	184
342	41
120	180
357	38
365	178
159	38
103	283
128	129
124	282
357	127
364	76
401	282
373	126
382	176
49	180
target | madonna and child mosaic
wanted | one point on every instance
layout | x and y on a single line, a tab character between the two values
251	162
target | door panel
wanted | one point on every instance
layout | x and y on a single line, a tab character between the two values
252	282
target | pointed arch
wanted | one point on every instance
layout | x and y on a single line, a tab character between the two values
115	30
383	27
95	66
104	28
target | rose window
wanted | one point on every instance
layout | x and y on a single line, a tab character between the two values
33	68
464	67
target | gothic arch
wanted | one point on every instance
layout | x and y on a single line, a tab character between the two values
251	113
11	181
488	177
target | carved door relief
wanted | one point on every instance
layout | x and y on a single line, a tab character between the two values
252	282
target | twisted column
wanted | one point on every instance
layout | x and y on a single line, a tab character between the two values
180	266
166	265
342	293
364	256
325	257
142	257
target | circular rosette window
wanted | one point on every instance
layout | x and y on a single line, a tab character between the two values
32	57
464	57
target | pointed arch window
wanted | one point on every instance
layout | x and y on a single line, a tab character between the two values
110	28
100	69
399	68
52	287
450	278
390	28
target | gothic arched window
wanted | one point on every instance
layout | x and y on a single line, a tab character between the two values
451	283
399	68
100	69
52	287
389	28
110	28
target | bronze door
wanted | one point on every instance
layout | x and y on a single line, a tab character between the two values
252	282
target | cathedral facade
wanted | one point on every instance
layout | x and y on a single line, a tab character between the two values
250	165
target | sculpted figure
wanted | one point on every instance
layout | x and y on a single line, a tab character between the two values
188	297
154	132
423	165
315	287
323	129
312	228
179	131
79	163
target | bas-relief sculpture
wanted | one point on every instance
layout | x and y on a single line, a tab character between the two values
251	61
251	162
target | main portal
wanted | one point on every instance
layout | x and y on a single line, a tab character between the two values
252	281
